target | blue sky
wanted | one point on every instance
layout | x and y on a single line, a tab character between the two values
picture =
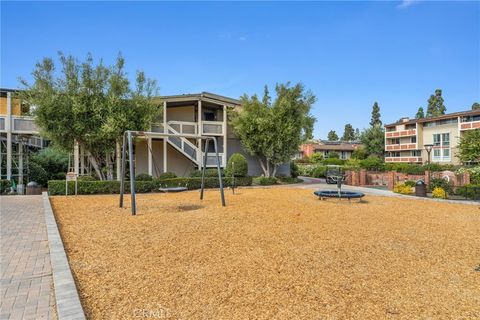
349	54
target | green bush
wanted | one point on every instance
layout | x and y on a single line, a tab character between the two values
352	164
474	174
410	183
143	177
294	170
359	154
37	173
57	187
440	183
289	180
469	191
211	172
316	158
237	166
372	163
264	181
50	162
86	178
333	161
5	186
167	175
319	172
305	169
333	155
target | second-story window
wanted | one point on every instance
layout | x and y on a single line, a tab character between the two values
441	147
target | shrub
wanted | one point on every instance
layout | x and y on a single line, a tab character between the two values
294	170
372	163
319	172
211	172
402	189
316	158
440	183
57	187
86	178
439	192
289	180
167	175
50	162
333	161
359	154
37	173
143	177
306	169
474	174
264	181
5	186
333	155
352	164
469	191
237	166
410	183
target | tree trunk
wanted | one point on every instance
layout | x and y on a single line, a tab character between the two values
108	159
265	171
95	166
275	167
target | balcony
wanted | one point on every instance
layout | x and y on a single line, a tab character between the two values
404	159
212	128
20	124
400	147
470	125
401	133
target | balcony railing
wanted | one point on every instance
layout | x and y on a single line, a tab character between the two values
20	124
402	146
401	133
403	159
469	125
212	128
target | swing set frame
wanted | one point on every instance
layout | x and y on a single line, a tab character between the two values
128	137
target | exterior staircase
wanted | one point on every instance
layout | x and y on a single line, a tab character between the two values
183	145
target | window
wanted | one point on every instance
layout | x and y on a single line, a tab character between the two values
413	139
416	153
441	147
209	116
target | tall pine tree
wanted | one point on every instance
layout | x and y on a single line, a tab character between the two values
348	133
435	104
375	121
420	113
332	136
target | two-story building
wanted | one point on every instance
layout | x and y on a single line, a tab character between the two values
405	139
344	149
18	135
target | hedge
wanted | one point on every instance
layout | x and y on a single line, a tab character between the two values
57	187
5	186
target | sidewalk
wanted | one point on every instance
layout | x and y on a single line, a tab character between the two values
26	280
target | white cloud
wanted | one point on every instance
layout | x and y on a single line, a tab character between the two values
407	3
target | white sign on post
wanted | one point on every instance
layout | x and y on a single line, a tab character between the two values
70	176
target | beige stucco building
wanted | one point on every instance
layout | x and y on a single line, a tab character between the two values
405	139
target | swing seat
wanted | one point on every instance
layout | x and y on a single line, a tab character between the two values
173	189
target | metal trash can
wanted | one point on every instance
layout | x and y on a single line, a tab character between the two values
33	188
420	188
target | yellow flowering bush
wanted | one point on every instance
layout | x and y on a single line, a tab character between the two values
439	192
403	189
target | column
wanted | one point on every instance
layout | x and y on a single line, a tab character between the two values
149	156
166	138
363	177
8	127
225	123
76	158
200	132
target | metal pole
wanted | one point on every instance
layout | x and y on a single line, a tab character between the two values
215	144
207	144
122	175
132	174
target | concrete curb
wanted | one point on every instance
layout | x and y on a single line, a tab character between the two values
66	295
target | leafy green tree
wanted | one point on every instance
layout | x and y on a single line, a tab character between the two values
476	106
357	134
373	140
90	103
316	158
435	104
469	146
348	133
273	132
359	154
332	136
375	120
420	113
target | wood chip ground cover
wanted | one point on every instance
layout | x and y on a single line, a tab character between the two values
272	254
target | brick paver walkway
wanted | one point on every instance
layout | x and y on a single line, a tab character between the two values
26	274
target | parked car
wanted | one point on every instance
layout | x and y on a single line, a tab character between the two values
334	172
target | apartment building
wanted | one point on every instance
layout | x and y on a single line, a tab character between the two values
405	139
343	148
18	136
